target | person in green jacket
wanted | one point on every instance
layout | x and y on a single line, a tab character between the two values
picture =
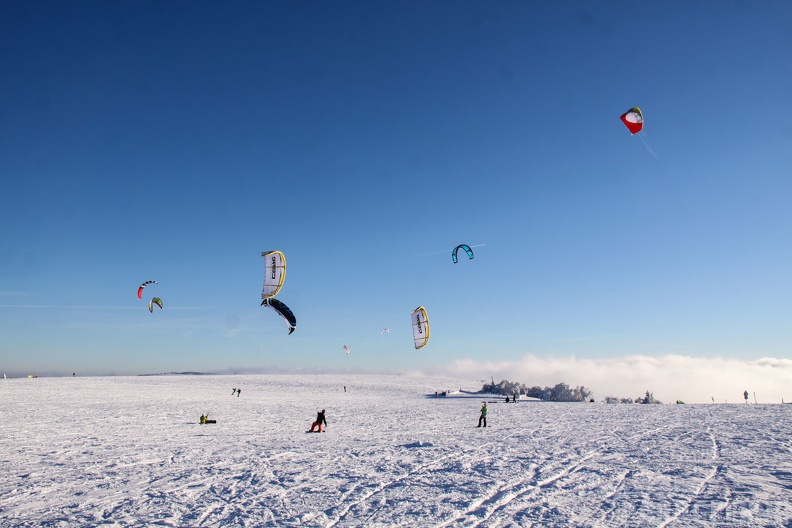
483	417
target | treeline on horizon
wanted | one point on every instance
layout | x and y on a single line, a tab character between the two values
561	392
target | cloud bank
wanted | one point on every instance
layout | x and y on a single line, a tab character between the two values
670	377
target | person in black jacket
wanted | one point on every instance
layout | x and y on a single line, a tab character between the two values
320	419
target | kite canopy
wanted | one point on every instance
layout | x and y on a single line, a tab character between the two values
633	119
461	246
283	311
274	273
140	289
385	331
346	349
152	302
420	326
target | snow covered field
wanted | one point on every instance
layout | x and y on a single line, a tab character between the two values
128	451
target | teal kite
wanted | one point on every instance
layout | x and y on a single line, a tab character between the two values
456	250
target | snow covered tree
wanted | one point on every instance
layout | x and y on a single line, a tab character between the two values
560	393
647	399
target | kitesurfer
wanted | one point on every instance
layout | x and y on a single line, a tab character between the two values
483	417
320	419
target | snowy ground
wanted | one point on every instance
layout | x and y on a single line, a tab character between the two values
128	451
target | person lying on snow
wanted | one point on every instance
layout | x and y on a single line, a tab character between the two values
320	419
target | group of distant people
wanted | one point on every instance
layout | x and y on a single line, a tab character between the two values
316	426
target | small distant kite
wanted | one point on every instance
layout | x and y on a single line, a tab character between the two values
346	349
385	331
140	289
456	250
420	326
283	311
152	302
633	120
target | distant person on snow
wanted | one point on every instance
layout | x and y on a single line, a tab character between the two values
239	391
233	391
320	419
483	417
745	394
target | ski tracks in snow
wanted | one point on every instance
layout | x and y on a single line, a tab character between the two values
538	497
411	477
503	503
391	458
702	486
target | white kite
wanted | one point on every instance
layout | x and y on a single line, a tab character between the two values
420	326
274	273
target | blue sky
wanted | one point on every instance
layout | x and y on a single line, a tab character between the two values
176	141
